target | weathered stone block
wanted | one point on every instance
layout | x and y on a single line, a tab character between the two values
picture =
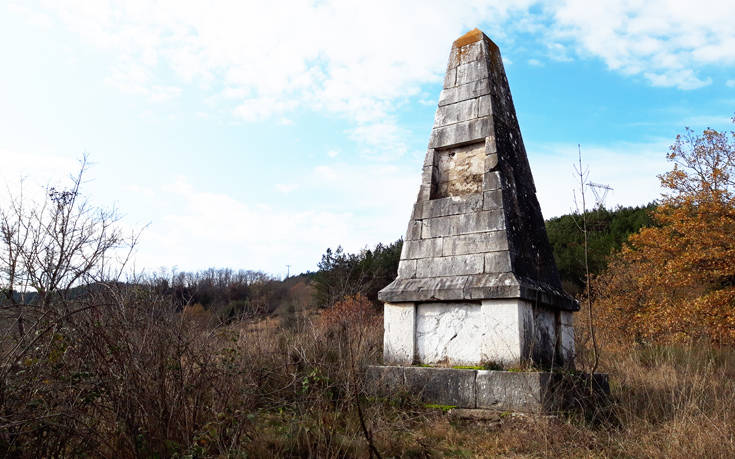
527	392
491	181
492	200
459	133
567	337
407	269
452	205
450	266
475	243
427	175
468	53
424	289
385	379
448	333
424	193
454	113
417	210
471	71
444	386
464	92
491	148
472	52
453	225
422	248
399	325
450	79
495	285
488	220
414	230
514	391
503	339
437	227
484	106
498	262
429	159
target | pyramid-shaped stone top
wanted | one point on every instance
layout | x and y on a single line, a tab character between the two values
476	231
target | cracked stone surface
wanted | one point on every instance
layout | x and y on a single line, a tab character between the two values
448	333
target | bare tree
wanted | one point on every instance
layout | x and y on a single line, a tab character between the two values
47	248
59	243
583	174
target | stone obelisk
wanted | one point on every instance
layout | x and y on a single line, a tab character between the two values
477	282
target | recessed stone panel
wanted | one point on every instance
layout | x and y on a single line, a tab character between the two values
459	171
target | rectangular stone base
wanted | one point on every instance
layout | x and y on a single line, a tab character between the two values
507	331
529	392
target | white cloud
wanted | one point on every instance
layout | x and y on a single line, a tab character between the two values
215	229
286	188
363	60
162	93
356	59
381	140
325	173
333	153
669	43
730	83
535	62
32	169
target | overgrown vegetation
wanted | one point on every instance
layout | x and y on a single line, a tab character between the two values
675	281
343	274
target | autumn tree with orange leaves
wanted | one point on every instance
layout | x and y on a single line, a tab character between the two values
675	281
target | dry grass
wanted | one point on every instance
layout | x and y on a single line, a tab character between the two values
130	378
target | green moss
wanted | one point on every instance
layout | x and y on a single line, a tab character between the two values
468	367
492	365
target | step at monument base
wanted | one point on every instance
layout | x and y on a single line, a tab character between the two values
537	392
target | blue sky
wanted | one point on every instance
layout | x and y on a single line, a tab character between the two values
257	134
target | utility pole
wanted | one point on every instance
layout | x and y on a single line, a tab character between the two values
288	271
600	191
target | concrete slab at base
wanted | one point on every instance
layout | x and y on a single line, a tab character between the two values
445	385
528	392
